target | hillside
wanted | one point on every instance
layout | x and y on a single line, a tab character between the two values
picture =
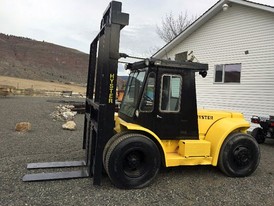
30	59
27	84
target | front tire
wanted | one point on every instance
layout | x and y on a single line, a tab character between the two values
239	155
132	161
109	143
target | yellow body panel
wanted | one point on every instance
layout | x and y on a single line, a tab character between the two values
194	148
208	117
214	127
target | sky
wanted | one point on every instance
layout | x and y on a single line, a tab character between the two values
75	23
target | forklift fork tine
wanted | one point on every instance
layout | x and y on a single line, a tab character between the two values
44	165
55	176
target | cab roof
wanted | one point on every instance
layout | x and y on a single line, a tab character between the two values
182	65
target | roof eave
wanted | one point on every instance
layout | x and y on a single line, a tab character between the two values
253	5
203	19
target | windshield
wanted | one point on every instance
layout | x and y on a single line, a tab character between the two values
132	92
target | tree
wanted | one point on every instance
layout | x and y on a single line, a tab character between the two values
171	26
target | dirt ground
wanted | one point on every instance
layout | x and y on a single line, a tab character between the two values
39	85
197	185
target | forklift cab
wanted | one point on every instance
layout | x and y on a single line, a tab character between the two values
161	96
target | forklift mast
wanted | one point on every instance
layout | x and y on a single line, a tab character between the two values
101	87
100	102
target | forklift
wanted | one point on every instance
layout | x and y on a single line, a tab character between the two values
158	123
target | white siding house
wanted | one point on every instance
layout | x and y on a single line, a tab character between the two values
239	41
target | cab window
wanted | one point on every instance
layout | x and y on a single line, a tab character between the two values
147	102
170	93
132	92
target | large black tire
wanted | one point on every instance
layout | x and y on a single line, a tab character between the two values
239	155
258	134
109	143
132	161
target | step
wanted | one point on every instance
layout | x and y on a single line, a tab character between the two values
174	159
194	148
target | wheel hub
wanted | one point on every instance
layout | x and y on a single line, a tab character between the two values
242	156
133	161
134	164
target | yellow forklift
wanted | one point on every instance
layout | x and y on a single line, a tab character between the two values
158	123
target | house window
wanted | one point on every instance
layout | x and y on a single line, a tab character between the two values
227	73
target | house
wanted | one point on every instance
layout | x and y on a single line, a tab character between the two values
236	39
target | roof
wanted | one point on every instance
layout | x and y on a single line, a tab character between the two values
183	65
204	18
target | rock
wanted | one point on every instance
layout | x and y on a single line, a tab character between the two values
69	125
63	113
23	127
68	115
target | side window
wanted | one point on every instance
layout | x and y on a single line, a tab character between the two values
171	87
227	73
147	102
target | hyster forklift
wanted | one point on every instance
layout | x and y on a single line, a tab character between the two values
158	123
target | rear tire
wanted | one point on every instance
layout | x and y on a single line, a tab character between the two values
259	135
132	161
239	155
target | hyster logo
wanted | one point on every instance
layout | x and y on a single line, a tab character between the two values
111	88
205	117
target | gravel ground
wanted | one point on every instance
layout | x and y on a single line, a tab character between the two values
199	185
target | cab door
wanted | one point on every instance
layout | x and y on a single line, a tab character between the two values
146	112
176	114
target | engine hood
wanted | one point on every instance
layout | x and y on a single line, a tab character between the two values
206	118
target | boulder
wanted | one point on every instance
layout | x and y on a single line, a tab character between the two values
23	127
69	125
